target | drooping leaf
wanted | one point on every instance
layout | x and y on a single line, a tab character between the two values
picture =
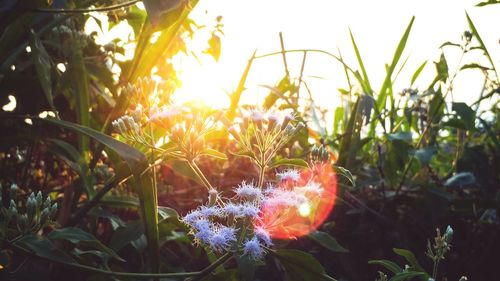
390	265
326	240
410	257
346	173
300	266
41	60
43	247
297	162
77	236
461	179
126	234
424	155
408	276
467	115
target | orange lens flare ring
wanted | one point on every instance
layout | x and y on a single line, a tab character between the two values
293	221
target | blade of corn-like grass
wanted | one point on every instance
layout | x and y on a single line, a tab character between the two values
382	94
417	73
236	95
367	88
481	43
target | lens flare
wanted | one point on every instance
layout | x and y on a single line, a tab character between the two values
304	204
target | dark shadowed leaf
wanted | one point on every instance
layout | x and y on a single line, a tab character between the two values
410	257
461	179
346	173
390	265
327	241
44	248
408	276
467	115
300	266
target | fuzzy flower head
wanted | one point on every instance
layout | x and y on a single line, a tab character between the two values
222	238
263	235
289	175
253	249
248	192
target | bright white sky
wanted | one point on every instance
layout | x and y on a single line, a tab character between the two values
324	24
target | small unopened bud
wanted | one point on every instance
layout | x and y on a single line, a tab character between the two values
12	209
233	132
31	207
53	210
212	197
289	129
449	233
272	120
116	127
47	203
299	127
123	127
286	121
23	223
13	191
177	133
44	217
39	199
137	114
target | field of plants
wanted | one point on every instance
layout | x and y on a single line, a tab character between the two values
105	176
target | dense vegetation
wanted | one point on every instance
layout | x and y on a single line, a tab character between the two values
103	176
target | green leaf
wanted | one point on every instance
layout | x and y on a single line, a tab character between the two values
289	162
417	72
467	115
326	240
41	60
382	95
408	275
474	66
300	266
390	265
136	161
367	89
489	2
481	43
401	136
424	155
78	236
346	173
442	68
214	46
461	179
410	257
126	234
214	153
158	9
44	248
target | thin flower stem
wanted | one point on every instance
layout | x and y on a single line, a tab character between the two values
220	261
200	174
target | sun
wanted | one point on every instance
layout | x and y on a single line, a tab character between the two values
202	80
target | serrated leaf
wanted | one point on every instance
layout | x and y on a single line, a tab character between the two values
326	240
390	265
290	162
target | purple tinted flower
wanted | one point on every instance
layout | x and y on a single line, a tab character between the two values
204	236
210	211
248	191
192	217
249	210
222	238
288	175
253	249
233	209
263	235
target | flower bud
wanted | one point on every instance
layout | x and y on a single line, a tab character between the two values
31	207
23	223
44	217
289	129
53	210
123	127
212	197
12	209
13	191
39	199
116	127
286	121
47	203
299	127
137	114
